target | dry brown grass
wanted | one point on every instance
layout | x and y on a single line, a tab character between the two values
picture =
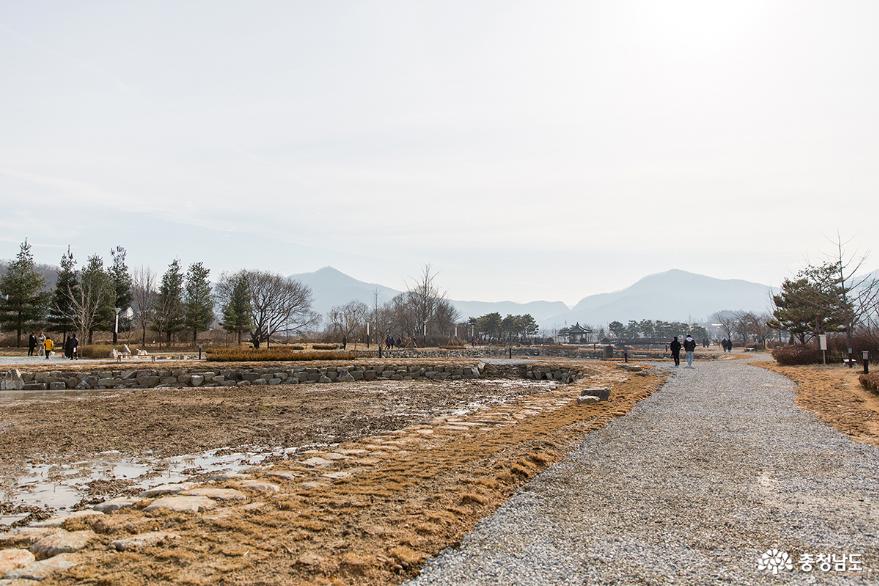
834	394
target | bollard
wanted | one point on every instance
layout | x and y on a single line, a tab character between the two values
199	351
626	355
851	359
511	352
866	356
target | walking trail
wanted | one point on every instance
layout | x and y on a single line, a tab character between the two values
692	486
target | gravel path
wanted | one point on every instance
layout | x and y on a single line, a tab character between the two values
692	486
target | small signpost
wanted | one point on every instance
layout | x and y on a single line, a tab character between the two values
822	343
866	356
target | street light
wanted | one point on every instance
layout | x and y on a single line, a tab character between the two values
127	314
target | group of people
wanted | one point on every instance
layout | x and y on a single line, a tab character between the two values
44	345
391	342
689	347
726	345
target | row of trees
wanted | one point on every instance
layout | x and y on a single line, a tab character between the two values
648	328
91	298
494	328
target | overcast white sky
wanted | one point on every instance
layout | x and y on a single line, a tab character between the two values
528	150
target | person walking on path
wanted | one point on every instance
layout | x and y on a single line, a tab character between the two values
675	348
73	345
41	343
31	344
48	346
690	348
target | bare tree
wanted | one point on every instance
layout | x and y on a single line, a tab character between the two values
424	297
278	304
143	298
727	321
88	302
345	319
858	292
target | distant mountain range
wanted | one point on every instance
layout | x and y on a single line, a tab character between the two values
332	287
674	295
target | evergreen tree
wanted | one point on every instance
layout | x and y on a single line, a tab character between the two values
122	285
237	306
169	316
23	301
61	311
198	301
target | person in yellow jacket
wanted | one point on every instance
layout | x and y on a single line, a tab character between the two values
48	345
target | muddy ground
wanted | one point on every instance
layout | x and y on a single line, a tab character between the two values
406	470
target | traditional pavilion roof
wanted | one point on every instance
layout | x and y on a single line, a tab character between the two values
578	329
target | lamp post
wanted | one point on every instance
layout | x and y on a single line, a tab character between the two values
866	355
127	314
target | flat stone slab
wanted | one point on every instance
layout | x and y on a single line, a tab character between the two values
602	393
44	568
316	461
120	502
182	504
62	542
587	400
142	540
283	474
13	559
261	485
166	489
25	535
58	520
221	494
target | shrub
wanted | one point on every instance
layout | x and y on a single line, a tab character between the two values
870	381
797	354
273	354
324	346
93	350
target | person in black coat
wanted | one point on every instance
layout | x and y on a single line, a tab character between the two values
675	348
690	349
32	345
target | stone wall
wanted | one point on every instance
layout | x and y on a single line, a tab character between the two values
218	376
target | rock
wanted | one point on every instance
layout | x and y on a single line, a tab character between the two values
45	568
34	387
120	502
602	393
243	383
11	381
166	489
12	559
196	380
58	520
182	504
587	400
324	379
25	535
316	461
62	542
221	494
106	382
283	474
261	485
142	540
57	386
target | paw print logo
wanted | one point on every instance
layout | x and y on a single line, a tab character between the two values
774	561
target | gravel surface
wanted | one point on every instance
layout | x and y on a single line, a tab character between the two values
690	487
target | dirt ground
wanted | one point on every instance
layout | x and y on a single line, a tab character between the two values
389	492
835	396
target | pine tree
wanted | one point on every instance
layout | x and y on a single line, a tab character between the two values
198	300
122	285
61	310
23	300
236	310
169	315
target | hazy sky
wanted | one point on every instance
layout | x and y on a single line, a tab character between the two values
526	149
